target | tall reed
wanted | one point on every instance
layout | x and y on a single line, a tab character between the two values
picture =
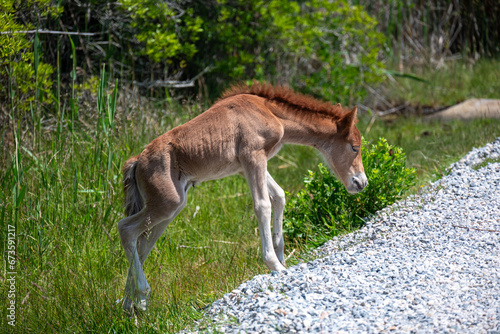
423	31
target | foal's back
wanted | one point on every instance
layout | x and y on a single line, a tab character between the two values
211	145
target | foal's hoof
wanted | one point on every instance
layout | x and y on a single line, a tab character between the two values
140	304
276	267
141	301
281	268
128	305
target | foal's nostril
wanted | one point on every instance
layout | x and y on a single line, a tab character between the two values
360	184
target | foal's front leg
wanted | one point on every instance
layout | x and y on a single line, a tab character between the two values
277	196
255	172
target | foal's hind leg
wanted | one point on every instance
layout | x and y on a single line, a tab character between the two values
148	239
137	287
138	241
277	196
134	291
145	242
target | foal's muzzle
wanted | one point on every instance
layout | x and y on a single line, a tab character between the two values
357	183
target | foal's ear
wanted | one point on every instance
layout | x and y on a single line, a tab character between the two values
346	122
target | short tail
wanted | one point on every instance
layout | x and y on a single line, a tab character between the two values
133	199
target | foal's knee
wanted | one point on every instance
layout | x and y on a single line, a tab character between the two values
262	208
278	199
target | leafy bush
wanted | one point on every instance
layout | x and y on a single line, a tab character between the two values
325	208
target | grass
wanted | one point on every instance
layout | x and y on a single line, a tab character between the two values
431	146
61	189
452	83
485	163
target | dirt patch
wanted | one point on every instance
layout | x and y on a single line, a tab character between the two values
470	109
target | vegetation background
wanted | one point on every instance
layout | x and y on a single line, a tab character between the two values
85	84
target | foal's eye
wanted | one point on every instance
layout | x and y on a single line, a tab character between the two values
355	149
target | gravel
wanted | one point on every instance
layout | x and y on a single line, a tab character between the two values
430	263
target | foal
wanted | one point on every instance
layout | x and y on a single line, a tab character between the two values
238	134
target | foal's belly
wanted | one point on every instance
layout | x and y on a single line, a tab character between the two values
219	172
213	170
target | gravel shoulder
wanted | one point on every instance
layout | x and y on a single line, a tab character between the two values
430	263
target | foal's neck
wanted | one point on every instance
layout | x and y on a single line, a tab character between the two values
306	128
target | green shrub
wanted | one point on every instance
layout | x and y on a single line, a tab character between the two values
325	209
328	49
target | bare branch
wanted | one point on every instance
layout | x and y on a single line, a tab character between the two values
53	32
172	83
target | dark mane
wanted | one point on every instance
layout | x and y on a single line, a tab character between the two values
287	97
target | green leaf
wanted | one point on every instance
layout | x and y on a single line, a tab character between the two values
404	75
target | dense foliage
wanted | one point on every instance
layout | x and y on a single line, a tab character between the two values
324	208
329	49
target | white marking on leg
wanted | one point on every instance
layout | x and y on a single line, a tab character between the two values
277	196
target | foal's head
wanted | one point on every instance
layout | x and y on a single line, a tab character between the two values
343	154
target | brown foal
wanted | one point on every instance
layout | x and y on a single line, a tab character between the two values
238	134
